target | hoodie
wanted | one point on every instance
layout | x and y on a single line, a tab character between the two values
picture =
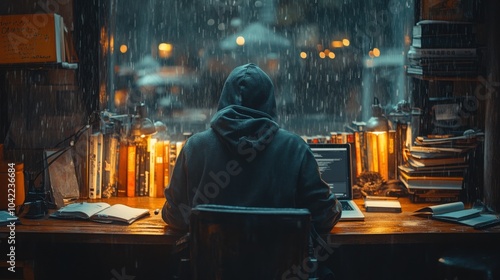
246	159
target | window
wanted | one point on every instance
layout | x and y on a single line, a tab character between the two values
327	58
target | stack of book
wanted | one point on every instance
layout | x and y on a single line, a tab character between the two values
436	169
443	48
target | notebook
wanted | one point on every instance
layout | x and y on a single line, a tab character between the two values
334	161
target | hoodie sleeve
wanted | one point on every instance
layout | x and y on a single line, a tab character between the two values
176	209
315	195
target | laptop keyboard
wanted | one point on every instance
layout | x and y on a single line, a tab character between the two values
345	205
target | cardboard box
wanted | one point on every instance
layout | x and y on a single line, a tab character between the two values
32	38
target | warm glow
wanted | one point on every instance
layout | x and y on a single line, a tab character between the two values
240	41
337	44
376	52
346	42
407	40
370	54
123	48
331	55
165	47
303	55
322	54
165	50
120	98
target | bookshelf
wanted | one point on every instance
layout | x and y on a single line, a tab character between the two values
445	75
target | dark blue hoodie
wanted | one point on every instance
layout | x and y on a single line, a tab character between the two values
246	159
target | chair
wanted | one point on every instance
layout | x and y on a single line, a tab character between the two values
229	242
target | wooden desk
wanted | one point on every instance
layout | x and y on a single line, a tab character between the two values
377	228
405	228
398	240
149	230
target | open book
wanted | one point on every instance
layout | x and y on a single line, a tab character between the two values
100	212
456	212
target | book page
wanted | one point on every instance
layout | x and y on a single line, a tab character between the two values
80	210
120	213
441	208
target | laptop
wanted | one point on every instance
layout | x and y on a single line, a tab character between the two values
334	161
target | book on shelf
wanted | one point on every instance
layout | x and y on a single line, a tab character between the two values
431	182
152	142
95	165
109	165
377	153
439	171
457	213
433	195
401	140
445	151
444	41
441	53
371	151
141	178
167	166
100	212
443	70
122	169
131	169
444	64
447	10
463	140
432	28
392	155
357	149
435	161
160	167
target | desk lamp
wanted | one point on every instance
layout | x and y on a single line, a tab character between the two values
40	198
378	121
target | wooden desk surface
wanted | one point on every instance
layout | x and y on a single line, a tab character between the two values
405	228
377	228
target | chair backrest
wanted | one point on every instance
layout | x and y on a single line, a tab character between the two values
229	242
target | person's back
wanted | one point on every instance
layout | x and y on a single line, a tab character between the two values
245	159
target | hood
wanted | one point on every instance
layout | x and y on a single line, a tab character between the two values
250	87
244	120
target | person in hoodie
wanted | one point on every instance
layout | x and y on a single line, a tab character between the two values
246	159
